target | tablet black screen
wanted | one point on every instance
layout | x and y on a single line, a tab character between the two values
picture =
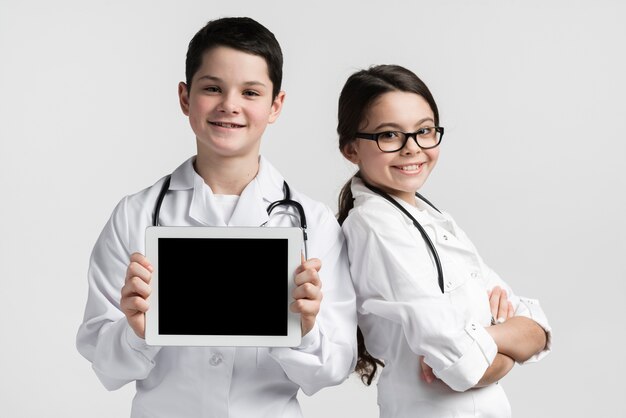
223	286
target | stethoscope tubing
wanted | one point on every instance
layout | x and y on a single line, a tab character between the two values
286	201
419	227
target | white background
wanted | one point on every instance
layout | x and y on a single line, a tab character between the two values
531	94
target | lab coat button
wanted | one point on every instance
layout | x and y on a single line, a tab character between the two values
474	274
216	359
445	237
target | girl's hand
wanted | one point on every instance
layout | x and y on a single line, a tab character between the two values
501	365
308	293
135	292
517	337
426	372
501	307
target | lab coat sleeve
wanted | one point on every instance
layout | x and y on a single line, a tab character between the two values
395	279
327	354
522	306
116	353
527	307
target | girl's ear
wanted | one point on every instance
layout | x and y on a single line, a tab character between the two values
350	152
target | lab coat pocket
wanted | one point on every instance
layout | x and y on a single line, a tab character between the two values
467	291
446	239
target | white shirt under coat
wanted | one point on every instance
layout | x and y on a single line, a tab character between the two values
234	382
403	313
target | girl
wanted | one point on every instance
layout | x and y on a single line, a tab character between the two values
443	325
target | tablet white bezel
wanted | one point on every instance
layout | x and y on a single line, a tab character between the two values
294	248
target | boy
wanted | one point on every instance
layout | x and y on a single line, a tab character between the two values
232	91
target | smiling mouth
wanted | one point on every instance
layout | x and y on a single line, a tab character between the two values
226	125
411	167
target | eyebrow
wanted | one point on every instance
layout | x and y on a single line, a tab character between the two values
397	127
219	80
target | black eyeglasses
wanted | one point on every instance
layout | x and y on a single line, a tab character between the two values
392	141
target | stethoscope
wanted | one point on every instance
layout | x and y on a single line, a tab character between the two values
420	228
286	201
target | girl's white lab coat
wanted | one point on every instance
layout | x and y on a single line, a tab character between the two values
216	381
403	313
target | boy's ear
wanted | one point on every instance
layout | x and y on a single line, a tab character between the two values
183	98
350	153
277	106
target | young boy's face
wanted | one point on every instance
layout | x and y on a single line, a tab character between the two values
230	102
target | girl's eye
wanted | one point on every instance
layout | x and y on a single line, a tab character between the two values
389	135
425	131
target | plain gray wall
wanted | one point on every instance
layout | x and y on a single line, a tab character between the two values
532	97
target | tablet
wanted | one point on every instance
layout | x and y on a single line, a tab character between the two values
223	286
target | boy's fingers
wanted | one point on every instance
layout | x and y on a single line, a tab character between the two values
305	307
142	260
308	276
311	263
136	286
307	290
134	304
136	269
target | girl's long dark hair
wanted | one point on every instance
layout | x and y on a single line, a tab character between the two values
358	93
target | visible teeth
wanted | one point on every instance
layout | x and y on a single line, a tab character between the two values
409	167
226	125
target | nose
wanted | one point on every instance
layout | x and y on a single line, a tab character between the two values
410	146
229	103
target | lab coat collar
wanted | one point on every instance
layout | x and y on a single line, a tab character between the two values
270	181
360	191
182	177
251	209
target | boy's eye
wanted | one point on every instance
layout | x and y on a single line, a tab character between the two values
212	89
250	93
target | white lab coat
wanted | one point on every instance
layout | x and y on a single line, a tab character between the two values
216	381
403	313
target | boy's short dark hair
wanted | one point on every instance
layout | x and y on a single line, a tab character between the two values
240	33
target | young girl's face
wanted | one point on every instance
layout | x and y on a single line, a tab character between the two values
403	172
